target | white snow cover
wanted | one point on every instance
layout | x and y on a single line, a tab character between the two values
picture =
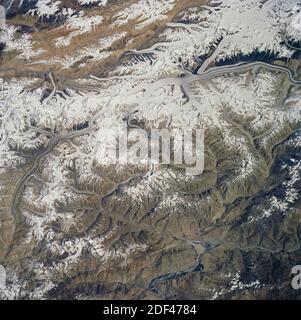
235	284
78	24
101	3
145	12
45	8
95	52
14	42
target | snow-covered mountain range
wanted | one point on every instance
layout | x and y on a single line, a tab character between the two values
71	227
